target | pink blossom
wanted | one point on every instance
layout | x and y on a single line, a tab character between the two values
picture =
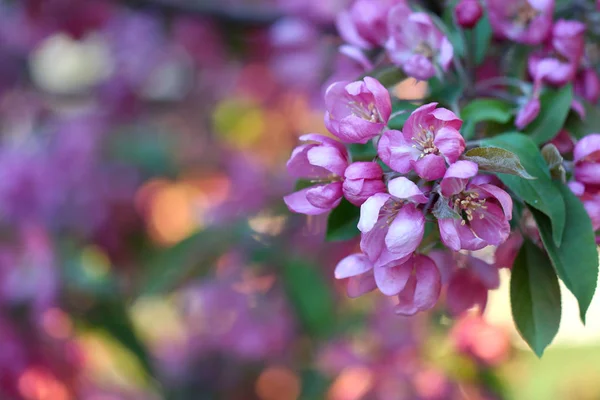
506	252
587	85
324	161
365	24
357	111
429	140
469	284
523	21
392	227
473	336
416	44
416	280
468	13
362	180
558	63
528	113
586	156
483	209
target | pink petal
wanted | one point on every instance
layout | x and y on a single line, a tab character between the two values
328	157
450	143
297	202
363	170
486	273
457	176
449	233
587	146
369	211
360	284
383	101
422	290
430	167
493	227
325	196
391	280
354	264
406	231
503	198
405	189
347	30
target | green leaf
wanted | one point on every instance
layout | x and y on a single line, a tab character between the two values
555	106
192	257
580	127
441	209
342	222
445	93
540	193
576	259
535	298
398	121
482	36
310	296
362	152
487	110
497	160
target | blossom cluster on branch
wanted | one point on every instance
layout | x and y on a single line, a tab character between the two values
483	159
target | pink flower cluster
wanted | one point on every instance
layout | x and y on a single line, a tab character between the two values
411	39
418	167
586	182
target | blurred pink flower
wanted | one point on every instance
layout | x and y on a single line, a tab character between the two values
416	44
468	13
523	21
528	113
361	181
586	156
324	161
429	140
587	85
364	25
506	253
484	210
357	111
559	62
473	336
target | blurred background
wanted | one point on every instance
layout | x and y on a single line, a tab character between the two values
145	251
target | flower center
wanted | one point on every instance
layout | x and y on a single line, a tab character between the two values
389	210
525	13
424	141
368	112
424	49
468	203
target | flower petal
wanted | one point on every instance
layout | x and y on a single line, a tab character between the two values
457	176
354	264
430	167
325	196
405	189
406	231
297	202
360	284
450	143
493	227
369	211
328	157
503	198
423	289
391	280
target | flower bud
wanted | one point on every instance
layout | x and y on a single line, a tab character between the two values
362	180
528	113
468	13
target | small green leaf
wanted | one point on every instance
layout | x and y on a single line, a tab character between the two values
555	162
482	36
576	259
487	110
362	152
535	298
442	210
398	121
311	297
540	193
342	222
497	160
555	106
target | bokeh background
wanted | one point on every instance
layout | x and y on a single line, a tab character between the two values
145	251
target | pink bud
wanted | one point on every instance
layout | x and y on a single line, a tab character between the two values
528	113
468	13
363	180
